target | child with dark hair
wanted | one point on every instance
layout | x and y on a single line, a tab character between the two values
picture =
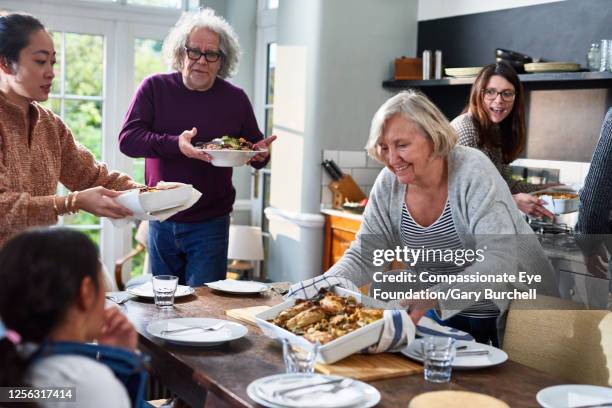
52	293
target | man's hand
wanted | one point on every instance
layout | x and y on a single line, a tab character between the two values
187	148
263	144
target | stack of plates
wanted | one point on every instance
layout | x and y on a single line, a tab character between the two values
462	72
314	391
552	67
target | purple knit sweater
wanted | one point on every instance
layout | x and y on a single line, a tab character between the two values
161	110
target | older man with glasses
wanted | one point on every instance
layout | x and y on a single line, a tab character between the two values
169	114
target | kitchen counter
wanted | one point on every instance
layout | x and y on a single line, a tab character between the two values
340	213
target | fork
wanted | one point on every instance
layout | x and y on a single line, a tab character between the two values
119	300
339	385
209	328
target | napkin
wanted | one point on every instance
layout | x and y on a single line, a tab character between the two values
131	201
321	396
429	327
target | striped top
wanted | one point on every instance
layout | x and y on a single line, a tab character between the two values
595	213
441	235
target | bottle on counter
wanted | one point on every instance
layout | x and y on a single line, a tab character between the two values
427	64
438	70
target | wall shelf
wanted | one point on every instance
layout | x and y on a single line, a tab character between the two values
552	80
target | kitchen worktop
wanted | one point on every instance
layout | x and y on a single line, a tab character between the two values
341	213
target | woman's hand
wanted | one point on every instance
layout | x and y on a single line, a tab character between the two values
532	205
186	147
117	330
263	144
99	201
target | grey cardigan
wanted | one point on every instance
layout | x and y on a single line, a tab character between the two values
484	215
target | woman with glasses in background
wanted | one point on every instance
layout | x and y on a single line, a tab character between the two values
169	114
494	122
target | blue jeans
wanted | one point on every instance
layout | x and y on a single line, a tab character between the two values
195	252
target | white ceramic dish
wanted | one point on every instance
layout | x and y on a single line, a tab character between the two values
462	72
146	291
535	67
573	395
336	349
238	287
231	331
142	203
258	391
232	158
495	356
559	205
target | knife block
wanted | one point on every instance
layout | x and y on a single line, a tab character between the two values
344	190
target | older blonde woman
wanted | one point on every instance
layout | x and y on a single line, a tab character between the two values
170	113
434	194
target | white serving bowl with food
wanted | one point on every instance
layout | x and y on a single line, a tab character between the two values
332	348
559	201
230	151
163	196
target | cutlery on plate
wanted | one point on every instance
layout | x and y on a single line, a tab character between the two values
337	387
119	300
463	353
184	329
337	381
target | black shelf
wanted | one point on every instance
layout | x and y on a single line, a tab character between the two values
552	80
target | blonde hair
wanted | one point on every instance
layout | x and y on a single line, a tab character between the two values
416	107
175	42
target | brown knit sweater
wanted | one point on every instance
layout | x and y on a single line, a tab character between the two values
30	170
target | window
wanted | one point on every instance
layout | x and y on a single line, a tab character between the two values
157	3
77	97
272	4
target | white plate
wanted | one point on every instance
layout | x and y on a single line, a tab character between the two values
463	72
573	395
146	291
238	286
231	331
495	356
232	158
256	391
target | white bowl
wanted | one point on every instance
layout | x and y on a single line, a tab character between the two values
148	202
336	349
232	158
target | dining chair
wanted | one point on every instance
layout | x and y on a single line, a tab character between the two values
561	338
142	236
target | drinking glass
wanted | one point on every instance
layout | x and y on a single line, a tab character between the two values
300	358
164	287
438	355
605	50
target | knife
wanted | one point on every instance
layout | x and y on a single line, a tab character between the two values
336	168
284	391
331	171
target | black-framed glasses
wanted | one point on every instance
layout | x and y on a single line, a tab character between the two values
491	94
195	54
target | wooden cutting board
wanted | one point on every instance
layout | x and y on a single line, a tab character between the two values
246	314
369	367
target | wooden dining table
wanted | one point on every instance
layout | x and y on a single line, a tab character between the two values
219	376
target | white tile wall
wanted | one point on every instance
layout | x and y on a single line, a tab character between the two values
569	172
357	164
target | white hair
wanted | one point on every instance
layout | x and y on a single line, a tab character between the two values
416	107
175	42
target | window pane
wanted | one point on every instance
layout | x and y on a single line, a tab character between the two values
272	4
194	4
57	81
81	218
84	118
84	64
54	104
270	73
157	3
266	201
147	59
269	122
138	170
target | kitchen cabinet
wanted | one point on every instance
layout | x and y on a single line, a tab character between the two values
340	231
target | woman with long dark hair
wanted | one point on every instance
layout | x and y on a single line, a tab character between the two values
37	150
52	292
494	122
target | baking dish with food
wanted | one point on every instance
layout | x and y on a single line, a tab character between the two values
336	349
559	201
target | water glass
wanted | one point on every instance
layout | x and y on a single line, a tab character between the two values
164	287
300	358
438	355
